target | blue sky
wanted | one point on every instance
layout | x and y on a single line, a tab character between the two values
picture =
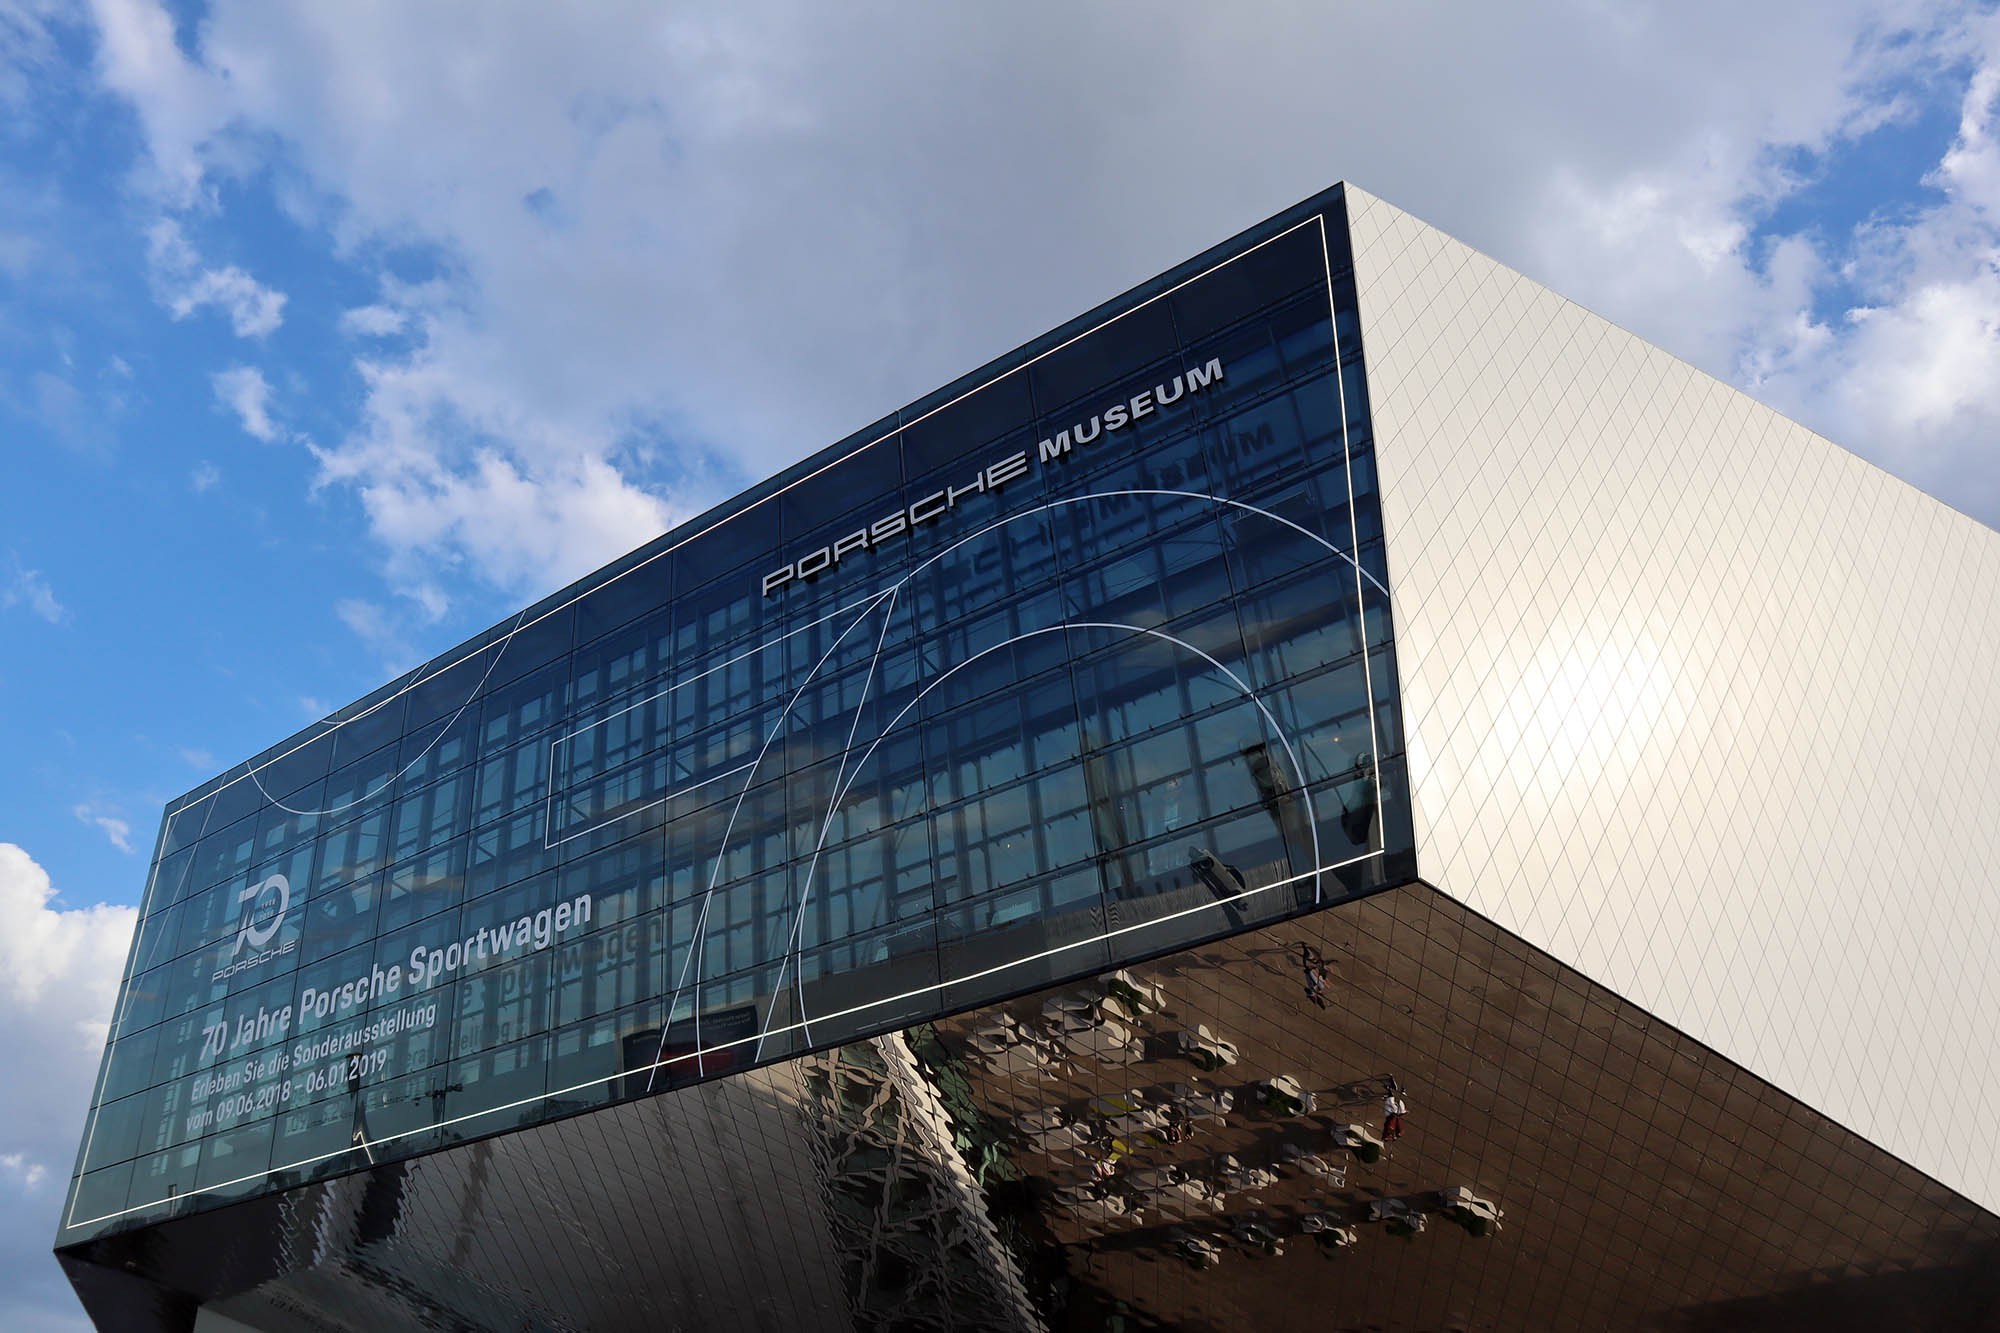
331	333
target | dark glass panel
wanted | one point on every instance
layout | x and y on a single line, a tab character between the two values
225	854
1304	333
158	936
869	982
425	885
612	672
183	828
523	707
241	796
315	1138
442	695
396	1117
1081	370
860	484
1264	440
511	779
717	616
1041	931
173	878
298	764
503	1003
113	1135
585	1062
1238	288
639	591
132	1056
536	642
938	439
102	1192
165	1175
732	549
436	748
612	969
234	1161
360	786
428	818
340	919
354	850
495	1089
364	730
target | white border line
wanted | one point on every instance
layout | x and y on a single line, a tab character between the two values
1318	218
805	890
869	603
865	604
723	1046
798	481
1353	516
125	1006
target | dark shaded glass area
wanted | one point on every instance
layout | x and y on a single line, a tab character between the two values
1197	1142
1080	660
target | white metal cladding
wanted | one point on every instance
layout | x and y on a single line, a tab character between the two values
1698	702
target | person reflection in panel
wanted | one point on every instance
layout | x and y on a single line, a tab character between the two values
1394	1108
1313	963
1223	880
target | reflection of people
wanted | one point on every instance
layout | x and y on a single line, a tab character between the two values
1393	1110
1223	880
1355	820
1314	966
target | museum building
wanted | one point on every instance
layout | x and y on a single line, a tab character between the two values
1337	789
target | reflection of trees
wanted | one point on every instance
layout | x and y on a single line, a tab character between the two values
917	1244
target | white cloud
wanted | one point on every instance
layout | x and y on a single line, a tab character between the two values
672	248
59	971
373	321
1909	371
27	46
205	477
374	625
28	588
115	829
29	1174
136	56
199	758
245	392
185	285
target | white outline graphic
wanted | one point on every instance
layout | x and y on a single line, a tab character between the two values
418	758
805	890
867	606
723	1046
852	453
248	932
695	953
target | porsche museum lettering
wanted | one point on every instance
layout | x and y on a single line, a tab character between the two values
1056	448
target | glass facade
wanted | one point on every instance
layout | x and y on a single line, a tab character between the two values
1078	661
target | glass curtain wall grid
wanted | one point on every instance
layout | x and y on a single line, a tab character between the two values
1082	659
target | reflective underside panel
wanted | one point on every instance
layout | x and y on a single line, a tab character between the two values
1192	1143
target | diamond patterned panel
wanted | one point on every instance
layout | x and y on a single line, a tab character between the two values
1696	701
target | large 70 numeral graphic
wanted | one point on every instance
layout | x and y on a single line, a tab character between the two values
250	933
